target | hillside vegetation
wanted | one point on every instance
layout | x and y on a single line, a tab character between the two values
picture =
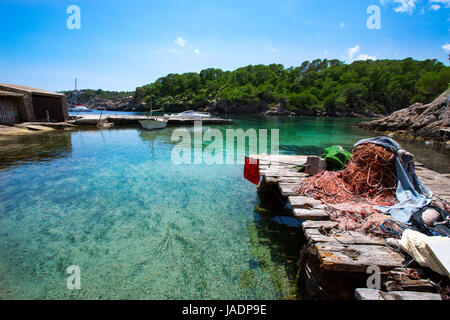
330	86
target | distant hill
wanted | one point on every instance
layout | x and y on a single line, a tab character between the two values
317	88
104	100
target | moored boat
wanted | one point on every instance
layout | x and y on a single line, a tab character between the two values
153	124
80	108
192	114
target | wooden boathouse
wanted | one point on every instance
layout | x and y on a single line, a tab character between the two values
25	104
334	264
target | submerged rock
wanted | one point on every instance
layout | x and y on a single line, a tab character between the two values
425	121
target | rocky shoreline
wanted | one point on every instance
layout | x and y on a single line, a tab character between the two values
130	104
430	122
122	104
279	110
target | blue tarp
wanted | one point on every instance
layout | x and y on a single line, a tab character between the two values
412	194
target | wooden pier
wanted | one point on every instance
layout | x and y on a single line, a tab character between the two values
102	121
333	264
125	120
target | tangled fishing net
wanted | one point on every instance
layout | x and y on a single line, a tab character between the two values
369	176
368	180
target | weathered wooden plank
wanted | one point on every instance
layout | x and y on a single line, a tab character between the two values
356	258
277	167
293	160
422	285
288	189
305	208
438	183
279	172
274	180
409	295
349	237
284	173
319	224
369	294
304	202
310	214
373	294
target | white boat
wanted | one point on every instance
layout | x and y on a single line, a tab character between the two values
80	109
153	124
192	114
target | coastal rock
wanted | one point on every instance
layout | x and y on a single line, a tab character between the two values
424	121
122	104
277	110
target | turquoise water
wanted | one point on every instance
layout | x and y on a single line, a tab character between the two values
141	227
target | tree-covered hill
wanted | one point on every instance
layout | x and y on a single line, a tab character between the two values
331	86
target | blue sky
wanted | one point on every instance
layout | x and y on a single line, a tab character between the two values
124	44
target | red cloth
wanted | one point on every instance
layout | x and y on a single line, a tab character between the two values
251	171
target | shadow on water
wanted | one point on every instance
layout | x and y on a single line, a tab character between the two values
275	246
17	150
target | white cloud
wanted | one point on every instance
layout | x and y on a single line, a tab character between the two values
187	47
366	57
181	41
446	47
407	6
353	55
351	52
342	24
443	2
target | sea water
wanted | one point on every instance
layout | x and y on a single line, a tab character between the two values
139	226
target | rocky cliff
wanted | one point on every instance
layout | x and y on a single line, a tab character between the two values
430	121
118	104
124	104
265	109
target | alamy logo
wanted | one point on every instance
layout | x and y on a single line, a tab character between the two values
190	148
374	21
74	20
74	281
374	281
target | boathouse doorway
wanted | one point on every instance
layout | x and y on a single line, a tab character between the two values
9	113
47	108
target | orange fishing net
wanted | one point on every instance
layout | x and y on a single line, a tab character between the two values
369	179
369	176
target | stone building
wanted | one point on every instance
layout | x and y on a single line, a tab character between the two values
25	104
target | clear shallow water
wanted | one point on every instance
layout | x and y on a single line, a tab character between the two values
141	227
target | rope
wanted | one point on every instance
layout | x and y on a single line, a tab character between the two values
390	229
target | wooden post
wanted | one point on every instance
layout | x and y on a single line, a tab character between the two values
99	120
